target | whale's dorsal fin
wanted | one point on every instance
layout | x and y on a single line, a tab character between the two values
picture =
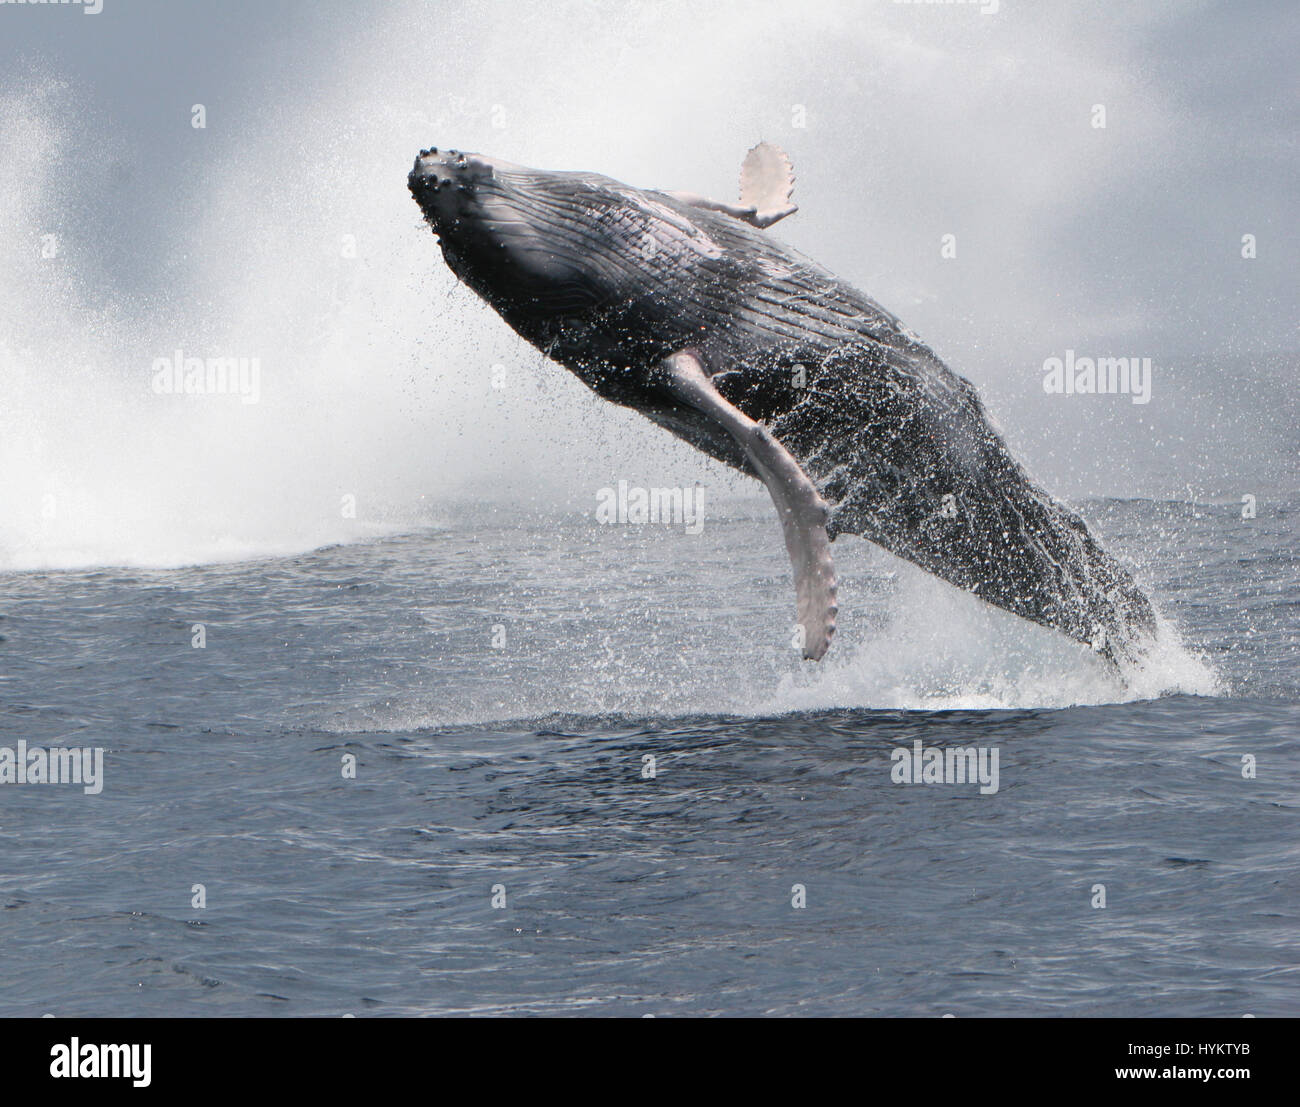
802	510
766	184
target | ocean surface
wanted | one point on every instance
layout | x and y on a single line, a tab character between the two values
592	777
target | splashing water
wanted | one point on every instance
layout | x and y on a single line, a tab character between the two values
375	401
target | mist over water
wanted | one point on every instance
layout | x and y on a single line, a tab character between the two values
386	393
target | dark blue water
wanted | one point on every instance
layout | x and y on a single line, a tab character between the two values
520	762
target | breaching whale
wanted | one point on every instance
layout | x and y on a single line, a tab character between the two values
685	309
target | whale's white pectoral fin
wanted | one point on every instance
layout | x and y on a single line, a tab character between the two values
802	511
767	183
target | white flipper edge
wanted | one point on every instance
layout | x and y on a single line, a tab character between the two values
802	511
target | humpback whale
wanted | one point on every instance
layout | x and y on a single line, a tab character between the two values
688	310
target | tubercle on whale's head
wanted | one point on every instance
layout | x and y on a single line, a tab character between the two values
449	186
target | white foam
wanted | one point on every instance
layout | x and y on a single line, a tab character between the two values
945	650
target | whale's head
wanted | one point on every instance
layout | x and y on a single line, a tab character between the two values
519	237
459	192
